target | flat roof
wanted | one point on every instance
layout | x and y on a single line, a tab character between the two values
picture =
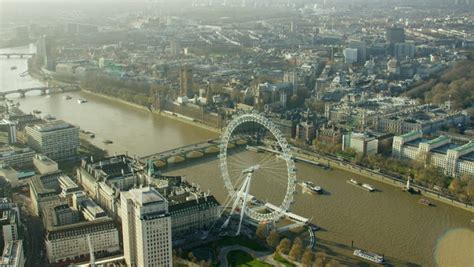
146	195
67	182
52	126
468	156
466	146
416	142
444	148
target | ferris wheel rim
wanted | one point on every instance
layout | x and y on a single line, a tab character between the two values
291	181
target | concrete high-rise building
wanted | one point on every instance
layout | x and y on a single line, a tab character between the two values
57	139
404	51
291	77
146	225
7	132
395	35
350	55
361	47
45	49
175	48
186	81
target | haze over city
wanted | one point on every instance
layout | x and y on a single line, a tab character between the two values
236	133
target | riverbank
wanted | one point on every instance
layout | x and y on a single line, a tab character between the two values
157	112
383	178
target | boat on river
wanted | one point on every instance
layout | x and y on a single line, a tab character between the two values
81	101
370	256
425	202
368	187
107	141
311	187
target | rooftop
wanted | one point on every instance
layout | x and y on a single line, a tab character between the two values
465	147
146	195
438	139
52	126
45	160
411	134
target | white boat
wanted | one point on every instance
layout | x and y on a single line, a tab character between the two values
368	187
373	257
311	187
354	181
81	100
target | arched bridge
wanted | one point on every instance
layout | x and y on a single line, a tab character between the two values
43	90
21	55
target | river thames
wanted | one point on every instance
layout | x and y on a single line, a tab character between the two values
388	221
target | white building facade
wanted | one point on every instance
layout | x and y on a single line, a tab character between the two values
146	225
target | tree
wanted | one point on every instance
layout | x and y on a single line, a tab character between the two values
307	257
261	231
298	241
454	186
191	257
331	263
320	258
273	238
295	252
284	246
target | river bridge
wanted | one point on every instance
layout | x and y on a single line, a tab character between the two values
20	55
193	151
43	90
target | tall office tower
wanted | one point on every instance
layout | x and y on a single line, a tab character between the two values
175	48
45	49
186	81
293	27
291	77
7	132
395	35
350	55
361	49
404	51
146	227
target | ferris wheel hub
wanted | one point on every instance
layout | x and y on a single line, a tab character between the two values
251	169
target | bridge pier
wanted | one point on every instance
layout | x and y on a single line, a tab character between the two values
22	94
43	91
8	56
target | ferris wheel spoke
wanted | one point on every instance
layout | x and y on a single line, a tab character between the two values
265	160
272	165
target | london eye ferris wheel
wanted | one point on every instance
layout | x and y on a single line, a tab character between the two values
269	175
